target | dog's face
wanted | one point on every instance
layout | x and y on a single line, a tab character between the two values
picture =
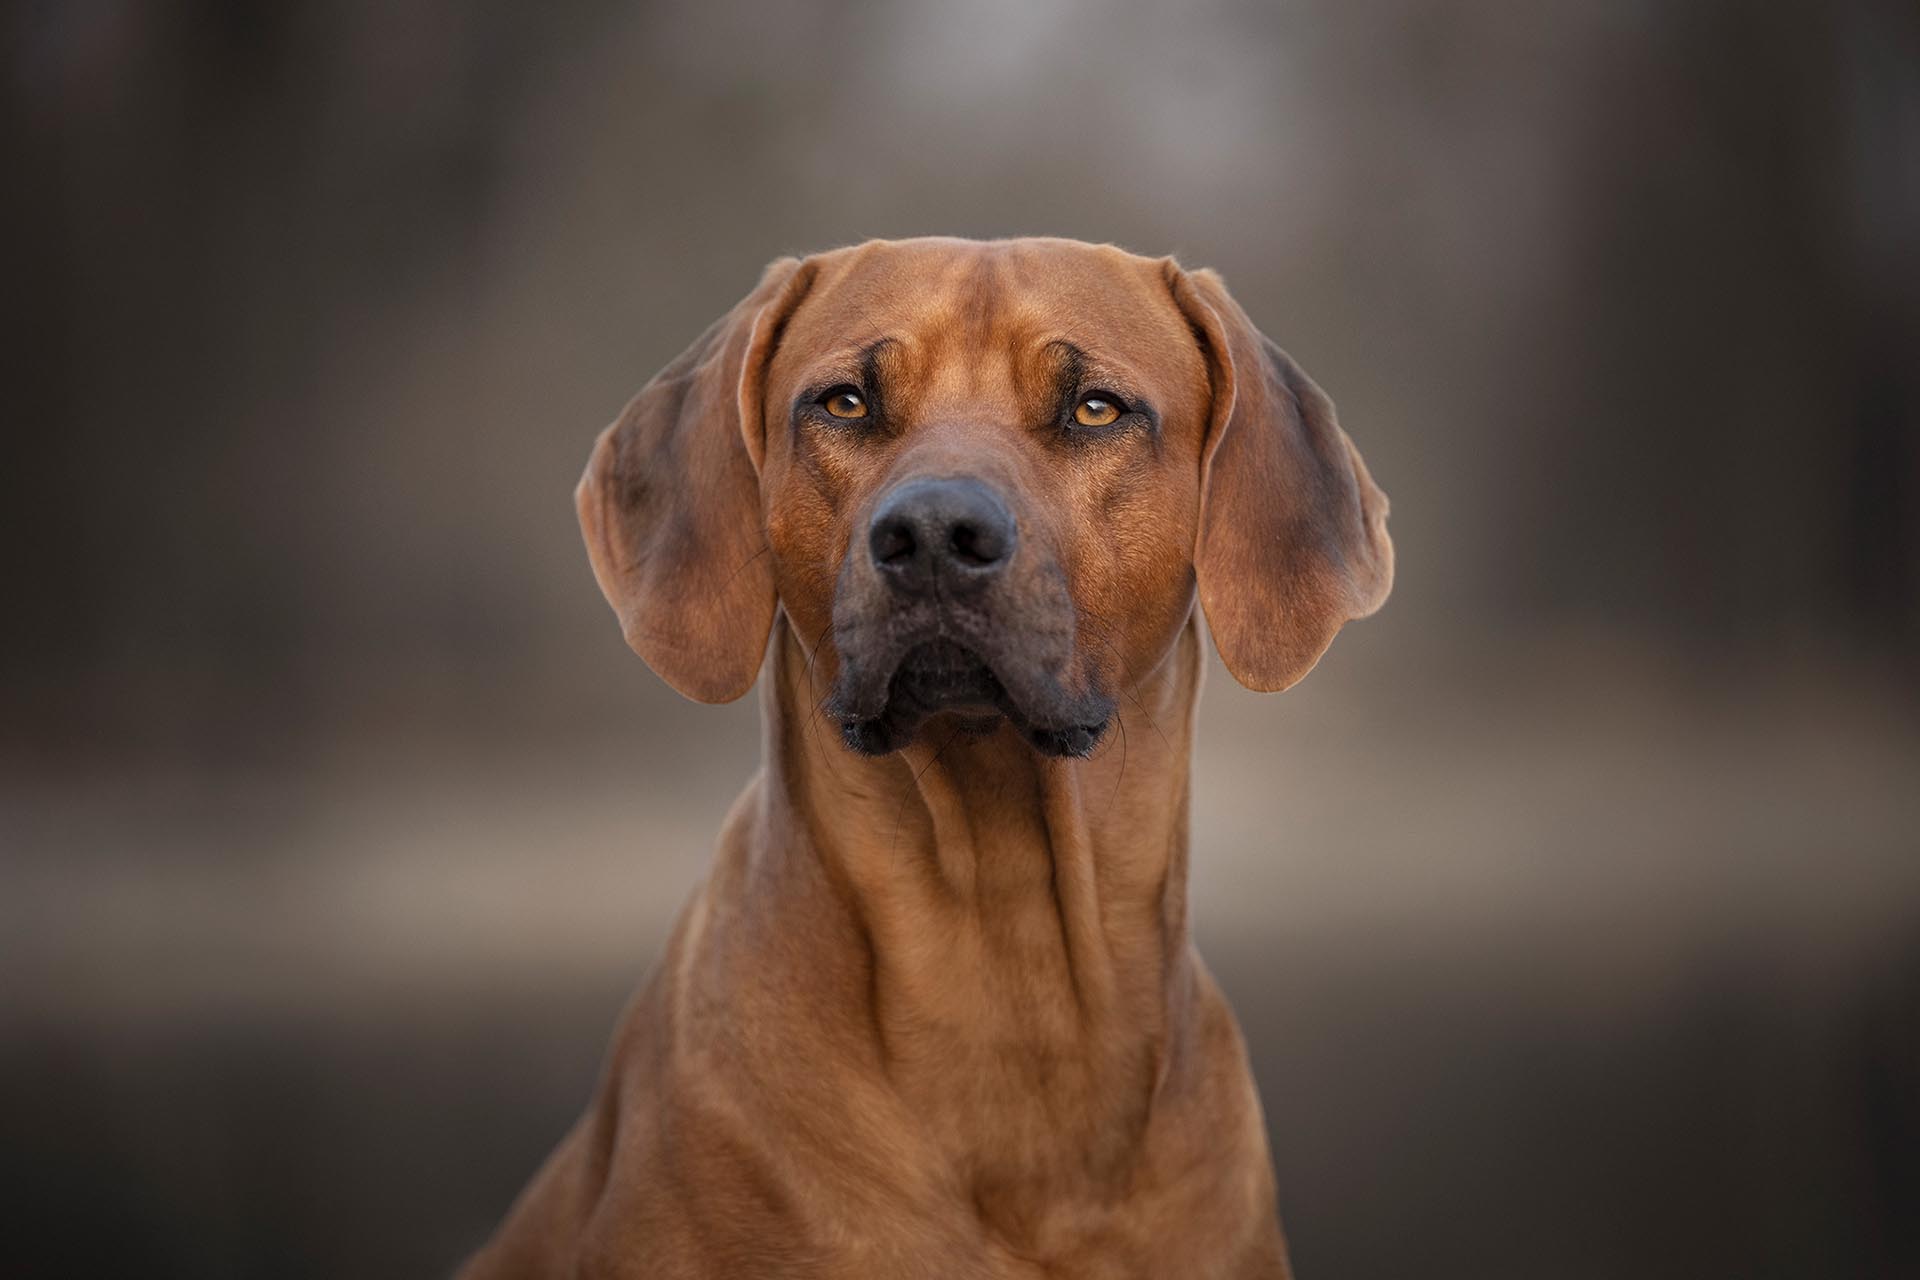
983	480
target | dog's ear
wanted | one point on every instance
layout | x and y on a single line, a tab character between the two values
1293	531
670	503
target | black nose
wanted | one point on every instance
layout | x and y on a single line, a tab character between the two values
955	531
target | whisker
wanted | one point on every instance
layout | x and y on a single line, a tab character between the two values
1120	780
764	548
819	707
906	792
1127	682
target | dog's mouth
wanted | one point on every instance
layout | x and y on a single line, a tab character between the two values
943	675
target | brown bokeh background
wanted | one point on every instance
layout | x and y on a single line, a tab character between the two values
1572	907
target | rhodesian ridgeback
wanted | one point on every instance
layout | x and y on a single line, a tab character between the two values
935	1012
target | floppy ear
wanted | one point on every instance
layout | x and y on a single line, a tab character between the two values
670	502
1293	531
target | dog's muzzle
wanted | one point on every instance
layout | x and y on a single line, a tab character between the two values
941	615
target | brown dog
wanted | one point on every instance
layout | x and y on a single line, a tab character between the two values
935	1012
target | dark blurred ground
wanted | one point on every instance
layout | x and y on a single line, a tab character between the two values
1572	908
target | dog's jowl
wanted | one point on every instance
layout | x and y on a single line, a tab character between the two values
960	508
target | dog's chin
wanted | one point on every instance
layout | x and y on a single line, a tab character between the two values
943	675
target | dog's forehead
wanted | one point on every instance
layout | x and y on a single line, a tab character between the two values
962	299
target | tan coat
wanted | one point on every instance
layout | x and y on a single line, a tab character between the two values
935	1012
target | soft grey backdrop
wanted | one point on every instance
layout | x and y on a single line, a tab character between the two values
1572	907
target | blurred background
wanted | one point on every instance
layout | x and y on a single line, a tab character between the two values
1572	907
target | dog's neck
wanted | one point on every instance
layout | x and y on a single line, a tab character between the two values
1022	920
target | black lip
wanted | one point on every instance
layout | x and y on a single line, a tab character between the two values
944	673
941	675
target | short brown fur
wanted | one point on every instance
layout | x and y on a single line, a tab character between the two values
935	1012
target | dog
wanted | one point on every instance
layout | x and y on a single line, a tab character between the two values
935	1011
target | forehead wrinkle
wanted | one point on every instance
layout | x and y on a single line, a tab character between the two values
874	357
1096	365
980	301
961	325
857	362
891	367
970	319
958	307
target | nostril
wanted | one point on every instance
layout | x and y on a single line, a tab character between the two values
972	545
929	530
892	543
961	540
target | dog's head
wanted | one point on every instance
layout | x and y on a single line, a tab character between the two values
983	480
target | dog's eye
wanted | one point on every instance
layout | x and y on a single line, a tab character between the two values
845	402
1098	410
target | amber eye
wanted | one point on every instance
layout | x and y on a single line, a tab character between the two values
845	402
1097	411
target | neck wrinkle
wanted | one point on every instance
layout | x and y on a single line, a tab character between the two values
946	852
1010	931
